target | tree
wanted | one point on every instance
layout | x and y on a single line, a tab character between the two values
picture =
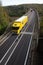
3	20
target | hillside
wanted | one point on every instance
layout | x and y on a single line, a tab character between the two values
22	9
14	12
17	11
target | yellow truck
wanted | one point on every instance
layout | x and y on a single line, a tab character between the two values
19	24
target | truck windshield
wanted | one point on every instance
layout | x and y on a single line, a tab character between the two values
15	28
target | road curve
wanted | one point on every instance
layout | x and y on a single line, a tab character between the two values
19	55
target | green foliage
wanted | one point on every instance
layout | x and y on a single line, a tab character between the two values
15	11
2	28
3	20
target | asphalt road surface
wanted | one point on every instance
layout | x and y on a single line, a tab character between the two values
6	45
14	49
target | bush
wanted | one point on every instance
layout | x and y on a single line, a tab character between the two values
3	20
3	27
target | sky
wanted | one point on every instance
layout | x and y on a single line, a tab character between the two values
17	2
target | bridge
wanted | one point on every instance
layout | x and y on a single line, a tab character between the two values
17	49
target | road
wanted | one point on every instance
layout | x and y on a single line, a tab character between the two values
14	49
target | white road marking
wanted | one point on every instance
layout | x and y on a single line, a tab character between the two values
27	52
29	47
5	39
14	48
27	33
8	49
